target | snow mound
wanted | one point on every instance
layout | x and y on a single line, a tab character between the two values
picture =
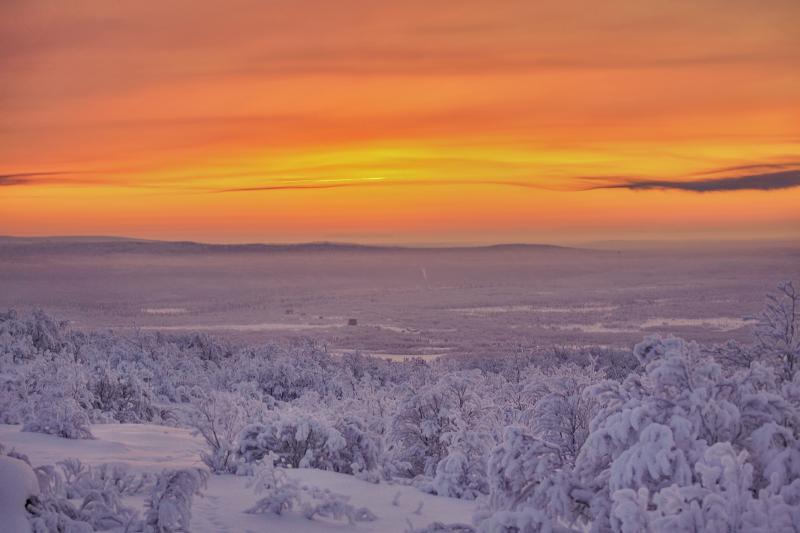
17	484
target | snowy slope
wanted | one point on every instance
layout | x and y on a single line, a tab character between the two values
150	448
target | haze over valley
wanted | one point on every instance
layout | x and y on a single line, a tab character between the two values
405	301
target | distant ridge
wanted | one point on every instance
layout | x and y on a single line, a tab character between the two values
70	239
111	244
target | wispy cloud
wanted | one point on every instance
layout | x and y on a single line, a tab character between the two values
75	178
786	165
733	180
312	184
30	178
768	181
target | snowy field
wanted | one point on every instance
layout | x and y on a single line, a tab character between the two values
220	508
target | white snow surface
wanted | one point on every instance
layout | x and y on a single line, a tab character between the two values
220	508
17	483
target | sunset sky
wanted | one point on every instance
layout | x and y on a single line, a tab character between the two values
400	122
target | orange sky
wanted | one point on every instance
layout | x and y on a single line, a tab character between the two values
411	122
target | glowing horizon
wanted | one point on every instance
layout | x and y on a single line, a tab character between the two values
453	122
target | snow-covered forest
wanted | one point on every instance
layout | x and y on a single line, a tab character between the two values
669	436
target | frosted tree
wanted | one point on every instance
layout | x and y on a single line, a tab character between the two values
476	423
666	448
75	497
454	415
660	433
563	410
300	440
120	394
58	416
362	452
219	417
462	472
775	452
529	485
721	499
169	507
778	329
280	494
734	354
419	428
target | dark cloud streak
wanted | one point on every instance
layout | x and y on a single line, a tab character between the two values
29	178
770	181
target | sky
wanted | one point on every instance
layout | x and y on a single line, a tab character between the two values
439	122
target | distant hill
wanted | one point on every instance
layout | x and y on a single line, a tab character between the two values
103	244
691	244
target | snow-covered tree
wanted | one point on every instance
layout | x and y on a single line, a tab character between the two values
169	507
280	494
219	417
778	329
59	416
563	410
300	440
525	473
75	497
432	421
121	395
462	472
683	444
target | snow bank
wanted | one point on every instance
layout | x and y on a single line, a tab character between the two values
17	484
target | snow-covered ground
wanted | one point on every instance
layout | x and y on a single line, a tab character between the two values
17	482
671	436
151	448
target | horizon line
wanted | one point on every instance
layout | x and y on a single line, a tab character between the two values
403	245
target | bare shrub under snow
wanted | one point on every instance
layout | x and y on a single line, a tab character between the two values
280	494
300	440
169	507
99	491
219	417
58	416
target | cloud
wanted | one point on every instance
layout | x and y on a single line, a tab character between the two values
769	181
786	178
788	165
292	187
765	181
313	184
28	178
